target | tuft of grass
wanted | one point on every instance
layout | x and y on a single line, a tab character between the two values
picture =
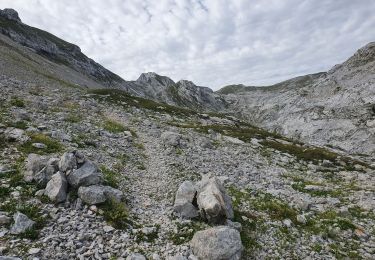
110	177
19	124
113	126
4	192
185	232
53	146
73	118
300	186
17	102
314	154
116	214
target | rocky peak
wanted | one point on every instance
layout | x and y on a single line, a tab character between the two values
154	79
10	14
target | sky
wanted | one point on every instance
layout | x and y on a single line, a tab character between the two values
210	42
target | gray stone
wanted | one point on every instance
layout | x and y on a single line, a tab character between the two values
67	162
43	176
39	145
15	135
213	202
171	139
136	256
56	188
9	258
88	174
185	197
34	165
4	220
215	243
92	194
21	223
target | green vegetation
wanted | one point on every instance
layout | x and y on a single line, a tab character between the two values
150	237
122	98
53	146
186	231
17	102
111	178
4	192
73	118
32	211
300	186
19	124
113	126
84	139
116	214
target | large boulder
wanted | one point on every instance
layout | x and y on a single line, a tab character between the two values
34	164
10	14
56	188
21	223
185	199
217	243
171	139
88	174
97	194
214	204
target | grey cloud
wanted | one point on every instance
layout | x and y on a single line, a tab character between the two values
211	42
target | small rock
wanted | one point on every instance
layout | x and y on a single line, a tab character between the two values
34	251
21	223
39	145
301	219
136	256
171	139
287	223
67	162
108	229
5	220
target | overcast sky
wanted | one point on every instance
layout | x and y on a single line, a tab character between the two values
211	42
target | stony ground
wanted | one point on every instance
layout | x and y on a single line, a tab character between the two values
293	201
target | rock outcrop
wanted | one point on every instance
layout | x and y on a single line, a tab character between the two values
21	223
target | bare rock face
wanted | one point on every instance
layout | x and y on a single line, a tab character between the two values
185	199
10	14
56	188
213	202
88	174
21	223
216	243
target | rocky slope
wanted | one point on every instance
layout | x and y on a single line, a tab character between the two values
334	108
66	57
93	173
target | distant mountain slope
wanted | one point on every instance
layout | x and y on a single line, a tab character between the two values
336	108
66	55
297	82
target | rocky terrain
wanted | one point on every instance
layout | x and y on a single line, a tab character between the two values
89	171
334	109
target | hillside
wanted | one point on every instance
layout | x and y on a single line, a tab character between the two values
152	168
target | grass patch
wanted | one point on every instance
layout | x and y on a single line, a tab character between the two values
300	186
110	177
17	102
113	126
73	118
122	98
53	146
185	232
116	214
4	192
19	124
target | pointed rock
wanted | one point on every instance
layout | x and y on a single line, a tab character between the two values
21	223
